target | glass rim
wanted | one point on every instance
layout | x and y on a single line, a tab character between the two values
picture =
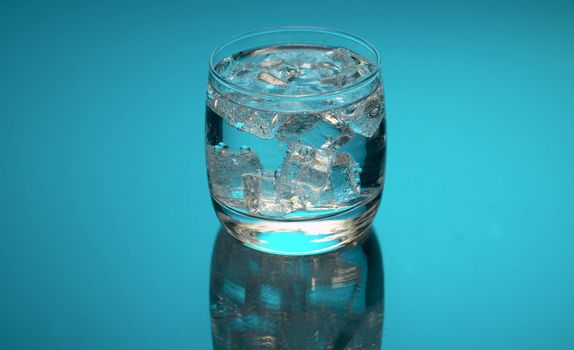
278	29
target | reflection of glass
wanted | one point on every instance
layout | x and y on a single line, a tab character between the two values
295	138
332	300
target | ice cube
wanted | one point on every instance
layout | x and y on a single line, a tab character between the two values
260	123
351	183
300	128
314	130
341	54
365	116
336	80
345	132
275	71
238	72
225	168
261	197
224	65
302	60
344	182
329	67
271	79
304	172
345	60
295	126
294	69
270	62
307	65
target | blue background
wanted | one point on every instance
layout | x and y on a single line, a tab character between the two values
106	226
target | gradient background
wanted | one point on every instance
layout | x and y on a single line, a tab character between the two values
106	225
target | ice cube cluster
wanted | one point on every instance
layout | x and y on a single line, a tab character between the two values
295	69
315	174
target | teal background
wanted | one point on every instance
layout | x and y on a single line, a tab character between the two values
106	226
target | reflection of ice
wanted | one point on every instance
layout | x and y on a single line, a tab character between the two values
225	168
328	301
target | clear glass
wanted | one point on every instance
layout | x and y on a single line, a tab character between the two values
295	138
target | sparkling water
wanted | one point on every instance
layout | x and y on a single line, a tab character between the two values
299	136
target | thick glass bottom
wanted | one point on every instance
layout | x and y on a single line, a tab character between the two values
298	237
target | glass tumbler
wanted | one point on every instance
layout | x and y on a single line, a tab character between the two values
295	138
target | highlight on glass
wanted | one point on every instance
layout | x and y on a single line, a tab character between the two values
295	138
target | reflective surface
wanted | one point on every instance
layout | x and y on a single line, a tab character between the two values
325	301
106	222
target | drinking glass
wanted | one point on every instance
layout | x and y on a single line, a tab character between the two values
295	138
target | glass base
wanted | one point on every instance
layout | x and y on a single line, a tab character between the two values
299	237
